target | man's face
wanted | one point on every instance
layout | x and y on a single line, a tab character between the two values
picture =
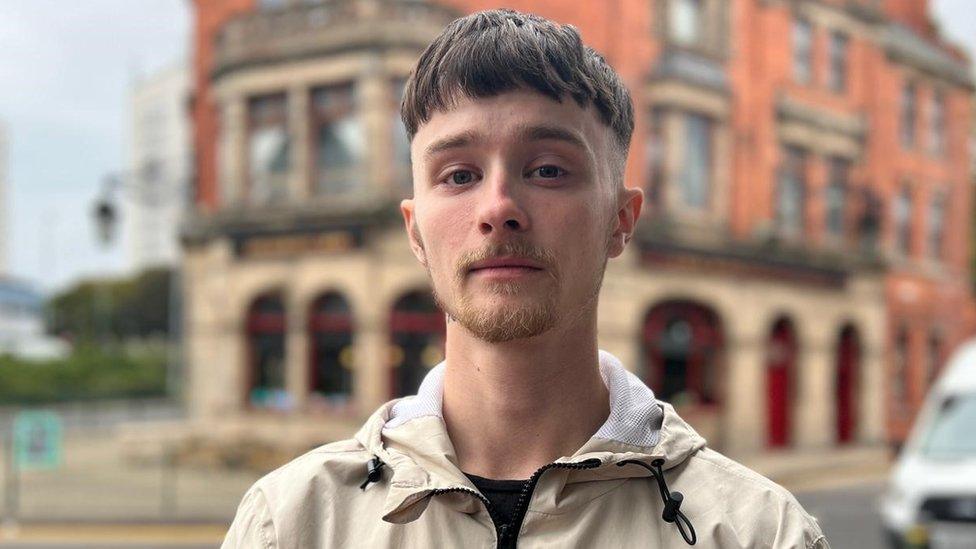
515	212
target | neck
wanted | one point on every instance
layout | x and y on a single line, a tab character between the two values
513	407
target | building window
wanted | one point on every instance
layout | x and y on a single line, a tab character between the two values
330	333
936	226
836	198
266	329
937	130
401	142
838	62
899	377
903	221
268	149
685	21
338	141
790	193
683	344
802	51
655	155
908	115
696	169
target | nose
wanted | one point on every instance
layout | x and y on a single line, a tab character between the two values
501	206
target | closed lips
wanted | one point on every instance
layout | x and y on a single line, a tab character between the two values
503	262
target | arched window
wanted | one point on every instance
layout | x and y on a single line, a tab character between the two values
417	332
682	350
331	361
265	329
780	371
846	384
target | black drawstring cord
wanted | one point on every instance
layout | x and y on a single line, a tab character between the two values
373	473
672	500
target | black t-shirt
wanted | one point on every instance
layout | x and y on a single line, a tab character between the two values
503	495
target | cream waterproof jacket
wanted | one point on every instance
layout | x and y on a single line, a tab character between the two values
419	497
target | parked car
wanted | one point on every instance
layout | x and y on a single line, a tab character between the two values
930	501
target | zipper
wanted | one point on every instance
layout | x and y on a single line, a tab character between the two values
488	506
508	535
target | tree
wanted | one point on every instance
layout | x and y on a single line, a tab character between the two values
135	307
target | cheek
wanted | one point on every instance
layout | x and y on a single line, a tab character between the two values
442	234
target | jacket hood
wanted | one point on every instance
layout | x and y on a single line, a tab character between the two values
409	436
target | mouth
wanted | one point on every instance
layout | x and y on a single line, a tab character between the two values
505	267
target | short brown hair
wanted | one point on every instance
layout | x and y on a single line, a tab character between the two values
492	52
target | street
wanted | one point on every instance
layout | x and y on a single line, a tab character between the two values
848	515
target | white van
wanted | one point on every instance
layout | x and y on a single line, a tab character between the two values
931	498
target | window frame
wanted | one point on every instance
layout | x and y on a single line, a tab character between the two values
346	107
902	214
803	53
908	115
794	163
837	52
256	121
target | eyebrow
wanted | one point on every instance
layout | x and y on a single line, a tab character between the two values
552	133
527	133
455	141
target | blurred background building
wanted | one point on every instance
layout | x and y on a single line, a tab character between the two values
160	159
801	269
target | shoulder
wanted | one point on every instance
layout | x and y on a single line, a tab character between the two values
297	493
750	504
330	464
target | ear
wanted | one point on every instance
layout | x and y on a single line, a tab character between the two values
413	233
628	212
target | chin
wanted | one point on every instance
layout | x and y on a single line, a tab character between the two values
506	319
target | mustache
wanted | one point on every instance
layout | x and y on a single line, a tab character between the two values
512	248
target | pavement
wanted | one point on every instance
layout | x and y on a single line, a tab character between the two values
126	507
825	468
76	535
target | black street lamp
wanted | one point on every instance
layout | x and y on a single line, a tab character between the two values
106	217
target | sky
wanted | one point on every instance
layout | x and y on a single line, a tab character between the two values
66	69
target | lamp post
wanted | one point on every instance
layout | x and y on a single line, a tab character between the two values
106	217
106	220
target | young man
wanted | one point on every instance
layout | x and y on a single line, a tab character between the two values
527	434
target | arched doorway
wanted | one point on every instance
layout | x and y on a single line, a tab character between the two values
265	332
330	361
780	369
682	343
846	384
417	335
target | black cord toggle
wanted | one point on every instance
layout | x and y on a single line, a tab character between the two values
373	472
672	500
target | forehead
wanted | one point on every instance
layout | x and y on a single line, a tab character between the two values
512	117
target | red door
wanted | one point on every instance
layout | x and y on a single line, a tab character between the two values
848	357
779	372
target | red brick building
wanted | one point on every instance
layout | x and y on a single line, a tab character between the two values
806	164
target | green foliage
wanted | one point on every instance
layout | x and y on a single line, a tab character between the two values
90	373
136	307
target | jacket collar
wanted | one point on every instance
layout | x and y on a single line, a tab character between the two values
409	435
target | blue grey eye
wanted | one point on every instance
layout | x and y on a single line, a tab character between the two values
462	177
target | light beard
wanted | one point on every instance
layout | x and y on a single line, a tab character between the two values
501	323
504	323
